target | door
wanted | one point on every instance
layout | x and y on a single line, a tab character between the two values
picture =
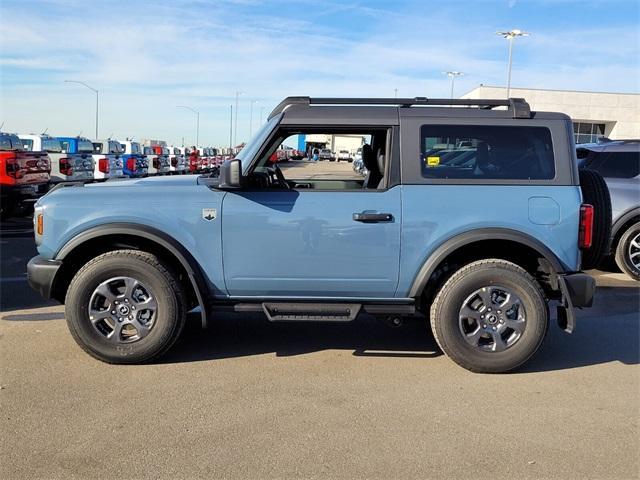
297	243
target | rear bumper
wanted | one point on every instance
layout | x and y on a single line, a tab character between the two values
41	273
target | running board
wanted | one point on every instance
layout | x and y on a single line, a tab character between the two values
311	312
333	312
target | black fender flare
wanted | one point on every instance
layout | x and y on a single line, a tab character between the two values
191	266
619	223
454	243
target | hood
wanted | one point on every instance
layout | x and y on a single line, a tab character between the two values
166	181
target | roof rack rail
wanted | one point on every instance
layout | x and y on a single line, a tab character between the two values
518	106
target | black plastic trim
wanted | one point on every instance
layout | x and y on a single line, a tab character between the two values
41	273
454	243
580	288
619	223
187	261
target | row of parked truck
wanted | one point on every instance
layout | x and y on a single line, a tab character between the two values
30	165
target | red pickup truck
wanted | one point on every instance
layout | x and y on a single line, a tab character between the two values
24	175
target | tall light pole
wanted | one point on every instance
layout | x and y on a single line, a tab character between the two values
395	93
230	128
235	126
251	117
452	75
197	122
96	92
510	35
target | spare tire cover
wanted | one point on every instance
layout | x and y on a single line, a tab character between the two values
595	192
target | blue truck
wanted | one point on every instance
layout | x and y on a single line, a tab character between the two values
473	219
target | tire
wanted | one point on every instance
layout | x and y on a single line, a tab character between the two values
595	192
628	245
159	284
464	288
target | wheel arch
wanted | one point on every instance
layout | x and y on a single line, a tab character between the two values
498	243
621	224
103	238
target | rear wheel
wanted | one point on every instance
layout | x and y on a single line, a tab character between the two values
490	316
628	252
125	306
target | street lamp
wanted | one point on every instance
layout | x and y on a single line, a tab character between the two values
197	122
251	117
452	75
510	35
96	92
235	126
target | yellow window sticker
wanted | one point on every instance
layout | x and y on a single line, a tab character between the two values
433	161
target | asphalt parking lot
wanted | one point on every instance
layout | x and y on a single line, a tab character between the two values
250	399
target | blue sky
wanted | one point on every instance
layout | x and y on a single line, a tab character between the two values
146	57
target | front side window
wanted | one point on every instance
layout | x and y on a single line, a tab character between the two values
27	144
302	158
97	148
620	164
486	152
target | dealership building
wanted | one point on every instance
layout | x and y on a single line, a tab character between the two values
594	114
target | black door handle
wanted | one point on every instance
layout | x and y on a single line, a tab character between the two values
372	217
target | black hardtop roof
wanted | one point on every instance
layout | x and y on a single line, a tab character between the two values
310	107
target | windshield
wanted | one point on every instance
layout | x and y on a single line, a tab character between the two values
85	146
252	146
51	145
176	151
165	151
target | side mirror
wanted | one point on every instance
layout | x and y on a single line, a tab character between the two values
231	174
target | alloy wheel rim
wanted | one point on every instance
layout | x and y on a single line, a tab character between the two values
633	252
123	310
492	318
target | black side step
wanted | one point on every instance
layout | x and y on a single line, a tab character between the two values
312	312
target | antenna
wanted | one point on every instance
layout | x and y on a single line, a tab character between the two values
110	135
45	131
1	125
79	133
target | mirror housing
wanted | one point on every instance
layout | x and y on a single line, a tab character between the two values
230	174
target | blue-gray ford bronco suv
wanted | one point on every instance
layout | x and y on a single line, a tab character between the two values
473	215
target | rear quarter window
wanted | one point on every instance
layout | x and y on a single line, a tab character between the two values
486	152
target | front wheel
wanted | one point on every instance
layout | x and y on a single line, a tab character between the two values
125	306
628	252
490	316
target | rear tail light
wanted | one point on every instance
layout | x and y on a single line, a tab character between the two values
585	234
66	168
13	169
156	162
174	161
131	164
103	165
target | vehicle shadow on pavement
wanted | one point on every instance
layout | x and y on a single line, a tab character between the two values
32	317
608	332
235	335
